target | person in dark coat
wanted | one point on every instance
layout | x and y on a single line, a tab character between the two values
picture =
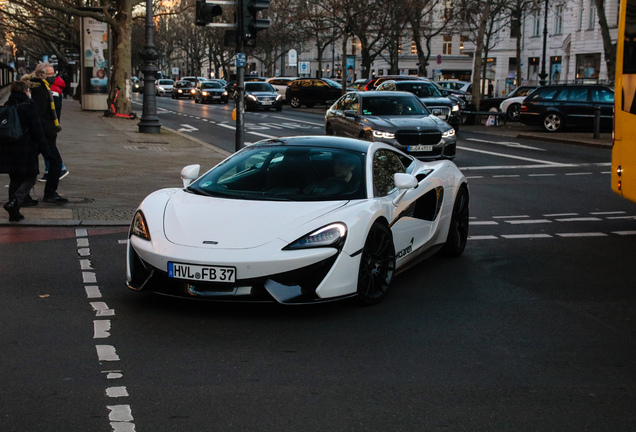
42	96
19	159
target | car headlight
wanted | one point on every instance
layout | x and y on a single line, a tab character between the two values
382	134
193	91
455	108
180	91
279	97
204	93
160	88
224	93
139	227
449	133
252	97
329	236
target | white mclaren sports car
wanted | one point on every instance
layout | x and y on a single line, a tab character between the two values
298	220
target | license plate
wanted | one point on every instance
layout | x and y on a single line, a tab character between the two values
216	97
267	102
420	148
201	273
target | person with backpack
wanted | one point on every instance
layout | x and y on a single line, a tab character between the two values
19	151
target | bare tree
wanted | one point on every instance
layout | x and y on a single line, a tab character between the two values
609	47
426	22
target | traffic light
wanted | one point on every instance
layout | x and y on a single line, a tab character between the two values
251	24
206	11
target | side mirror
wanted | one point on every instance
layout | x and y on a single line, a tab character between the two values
445	92
350	113
403	182
189	173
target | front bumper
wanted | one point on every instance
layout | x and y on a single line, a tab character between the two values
446	148
258	104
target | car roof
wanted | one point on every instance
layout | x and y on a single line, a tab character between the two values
319	141
375	93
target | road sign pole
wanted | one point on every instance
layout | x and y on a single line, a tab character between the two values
240	80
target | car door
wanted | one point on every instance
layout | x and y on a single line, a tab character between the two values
351	126
409	231
577	108
604	98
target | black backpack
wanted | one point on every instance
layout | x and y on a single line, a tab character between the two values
10	128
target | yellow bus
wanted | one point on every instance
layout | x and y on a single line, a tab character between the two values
624	149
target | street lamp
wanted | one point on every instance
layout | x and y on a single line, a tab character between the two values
543	75
149	122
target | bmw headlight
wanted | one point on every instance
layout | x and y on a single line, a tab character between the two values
449	133
204	93
180	91
139	227
193	91
252	97
224	93
382	134
455	107
329	236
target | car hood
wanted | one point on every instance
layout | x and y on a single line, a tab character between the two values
437	101
404	122
190	219
259	94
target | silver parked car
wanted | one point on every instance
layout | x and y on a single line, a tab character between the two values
396	118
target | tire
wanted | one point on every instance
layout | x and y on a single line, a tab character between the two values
377	265
514	112
295	102
553	122
458	230
329	130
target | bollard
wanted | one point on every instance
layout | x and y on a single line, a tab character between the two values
597	122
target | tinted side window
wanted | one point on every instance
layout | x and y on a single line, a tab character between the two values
545	94
319	83
577	95
385	164
602	95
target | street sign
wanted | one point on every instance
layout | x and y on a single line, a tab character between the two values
241	60
304	67
293	58
439	59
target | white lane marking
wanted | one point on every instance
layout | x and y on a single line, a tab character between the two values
101	329
84	251
115	392
89	277
621	217
483	223
581	219
526	236
122	241
81	232
486	237
624	232
113	374
225	125
506	176
541	175
82	242
261	134
85	264
187	128
475	177
262	126
588	234
606	172
300	121
511	217
92	291
607	213
560	214
578	174
507	144
106	353
513	157
531	221
120	413
102	309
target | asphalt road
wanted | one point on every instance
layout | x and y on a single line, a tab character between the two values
532	329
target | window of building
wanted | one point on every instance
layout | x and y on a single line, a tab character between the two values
413	48
592	16
448	10
515	28
558	19
462	40
354	45
400	47
588	66
447	47
533	68
536	24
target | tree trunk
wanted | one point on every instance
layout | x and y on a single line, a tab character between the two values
345	40
608	46
479	46
122	65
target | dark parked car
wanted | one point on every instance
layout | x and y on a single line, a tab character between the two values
374	83
231	86
396	118
262	95
183	88
494	102
210	91
556	107
312	91
439	105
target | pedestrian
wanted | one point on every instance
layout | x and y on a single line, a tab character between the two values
57	85
19	158
41	95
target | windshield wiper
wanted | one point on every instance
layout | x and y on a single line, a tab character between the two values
197	191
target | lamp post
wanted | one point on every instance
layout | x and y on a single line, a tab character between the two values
149	122
543	75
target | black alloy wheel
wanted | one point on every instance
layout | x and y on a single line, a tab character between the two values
458	230
377	265
295	102
514	112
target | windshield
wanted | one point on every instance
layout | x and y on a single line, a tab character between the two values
332	83
213	85
259	87
166	82
392	106
276	172
422	90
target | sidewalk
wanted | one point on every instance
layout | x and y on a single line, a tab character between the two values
112	169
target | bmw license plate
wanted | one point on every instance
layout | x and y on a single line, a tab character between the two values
420	148
267	102
201	273
216	97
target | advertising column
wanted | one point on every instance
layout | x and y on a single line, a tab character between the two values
95	71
